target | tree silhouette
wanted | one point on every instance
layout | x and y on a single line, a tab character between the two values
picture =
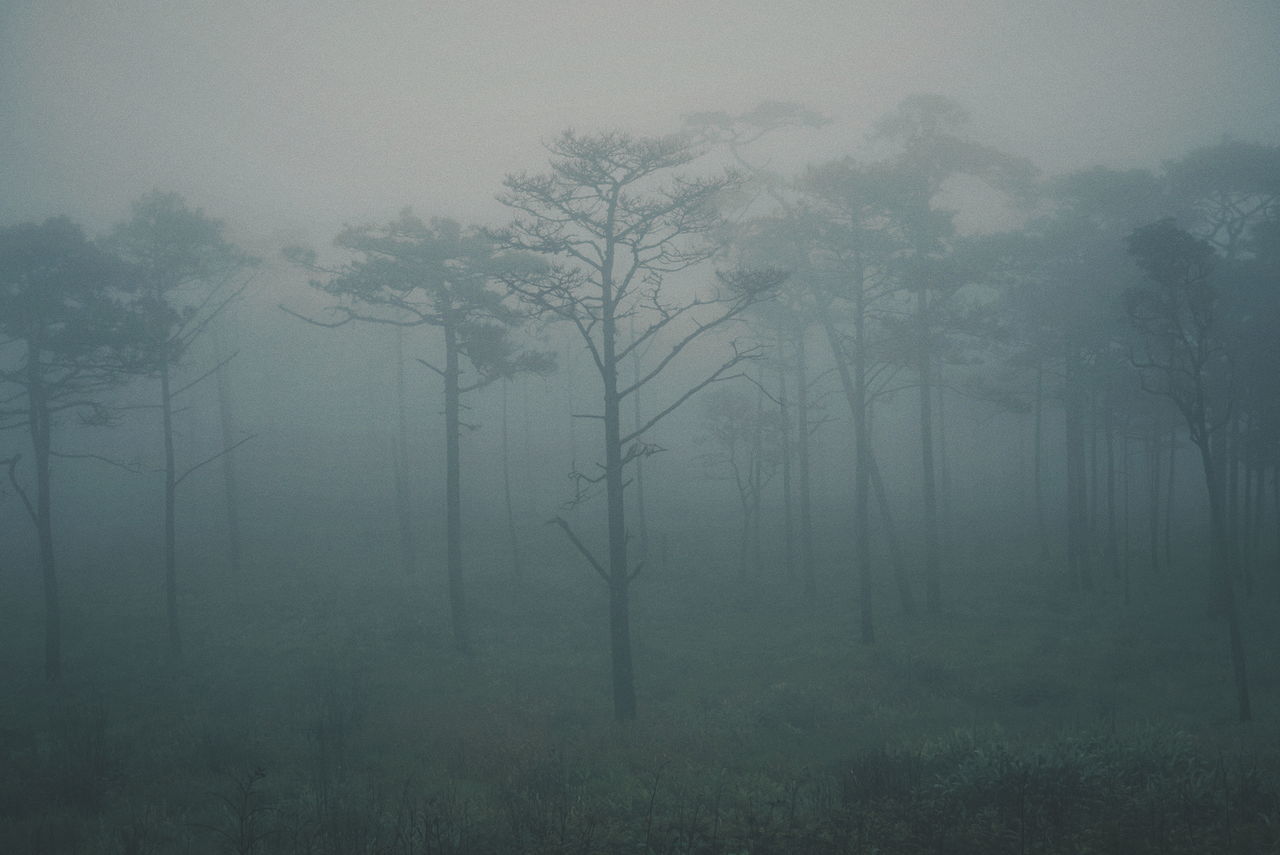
408	273
1182	357
617	220
60	320
185	273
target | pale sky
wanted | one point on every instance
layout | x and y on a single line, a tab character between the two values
294	116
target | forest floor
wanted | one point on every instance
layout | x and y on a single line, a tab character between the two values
322	708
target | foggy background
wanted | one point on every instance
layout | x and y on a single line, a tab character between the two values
295	116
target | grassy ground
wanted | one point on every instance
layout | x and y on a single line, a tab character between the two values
321	709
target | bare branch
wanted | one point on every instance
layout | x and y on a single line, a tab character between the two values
212	458
132	468
214	370
717	376
22	494
586	553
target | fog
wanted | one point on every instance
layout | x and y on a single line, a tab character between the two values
305	115
916	488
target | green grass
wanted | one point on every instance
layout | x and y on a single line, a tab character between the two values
322	709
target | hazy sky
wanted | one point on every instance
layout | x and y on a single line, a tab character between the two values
297	115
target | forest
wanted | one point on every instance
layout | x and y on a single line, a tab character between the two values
909	501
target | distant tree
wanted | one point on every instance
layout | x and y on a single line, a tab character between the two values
617	219
747	440
185	273
854	244
408	273
930	151
1059	278
783	325
60	319
1182	357
760	217
1223	192
1226	193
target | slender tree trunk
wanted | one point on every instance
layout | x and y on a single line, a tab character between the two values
808	570
862	459
1042	530
400	461
1221	534
1275	506
1168	499
1244	539
230	483
1078	560
1259	513
1155	466
1231	463
517	566
788	518
853	381
453	492
924	370
1113	547
41	434
1094	482
900	578
622	667
1126	479
170	515
756	481
744	535
946	530
642	516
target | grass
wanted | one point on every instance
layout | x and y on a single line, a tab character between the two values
321	709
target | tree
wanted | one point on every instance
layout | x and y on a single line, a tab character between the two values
408	273
617	219
930	153
60	317
185	273
1059	281
854	243
748	441
1183	358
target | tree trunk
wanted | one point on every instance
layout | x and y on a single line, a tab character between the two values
788	519
1113	540
807	565
40	430
855	391
642	517
899	564
400	460
1155	465
622	668
1042	530
756	481
170	516
1124	545
924	370
1231	463
1275	506
517	567
453	492
1078	561
1168	499
230	483
946	530
1221	534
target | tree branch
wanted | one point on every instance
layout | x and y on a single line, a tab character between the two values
560	521
212	458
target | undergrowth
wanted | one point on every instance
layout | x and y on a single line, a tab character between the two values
331	717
